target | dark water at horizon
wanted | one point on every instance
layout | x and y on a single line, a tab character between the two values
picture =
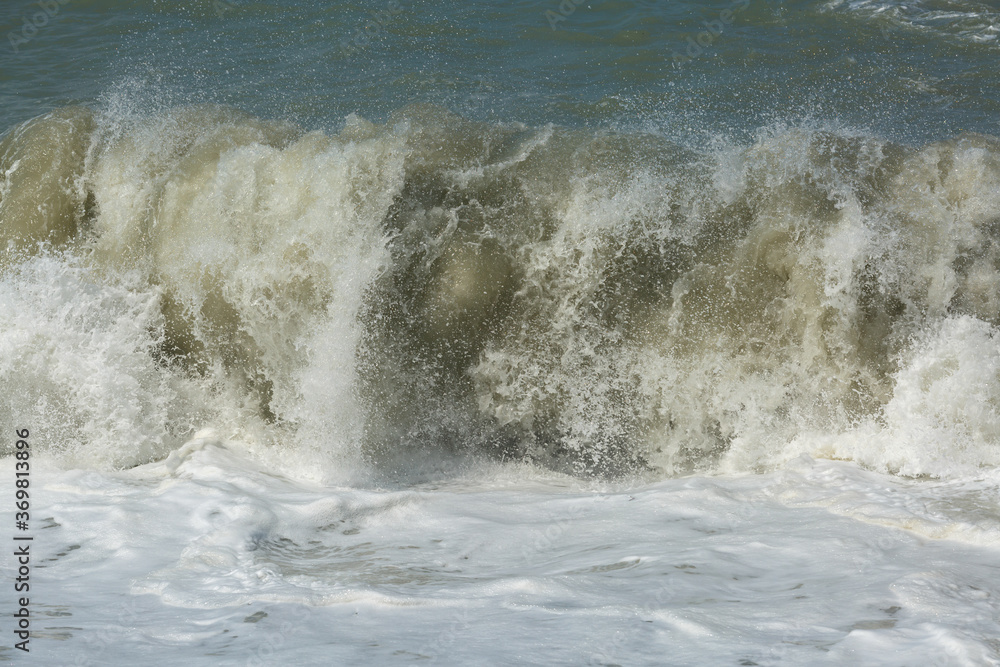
909	71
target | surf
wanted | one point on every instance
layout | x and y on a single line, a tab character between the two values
599	302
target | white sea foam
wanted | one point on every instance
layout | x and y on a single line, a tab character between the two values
819	563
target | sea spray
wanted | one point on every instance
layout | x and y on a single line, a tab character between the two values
597	302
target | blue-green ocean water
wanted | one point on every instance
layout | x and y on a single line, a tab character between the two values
909	70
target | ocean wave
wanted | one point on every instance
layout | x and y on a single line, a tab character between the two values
595	301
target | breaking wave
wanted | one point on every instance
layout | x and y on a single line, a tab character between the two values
594	301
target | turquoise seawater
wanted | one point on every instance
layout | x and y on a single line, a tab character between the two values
910	71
